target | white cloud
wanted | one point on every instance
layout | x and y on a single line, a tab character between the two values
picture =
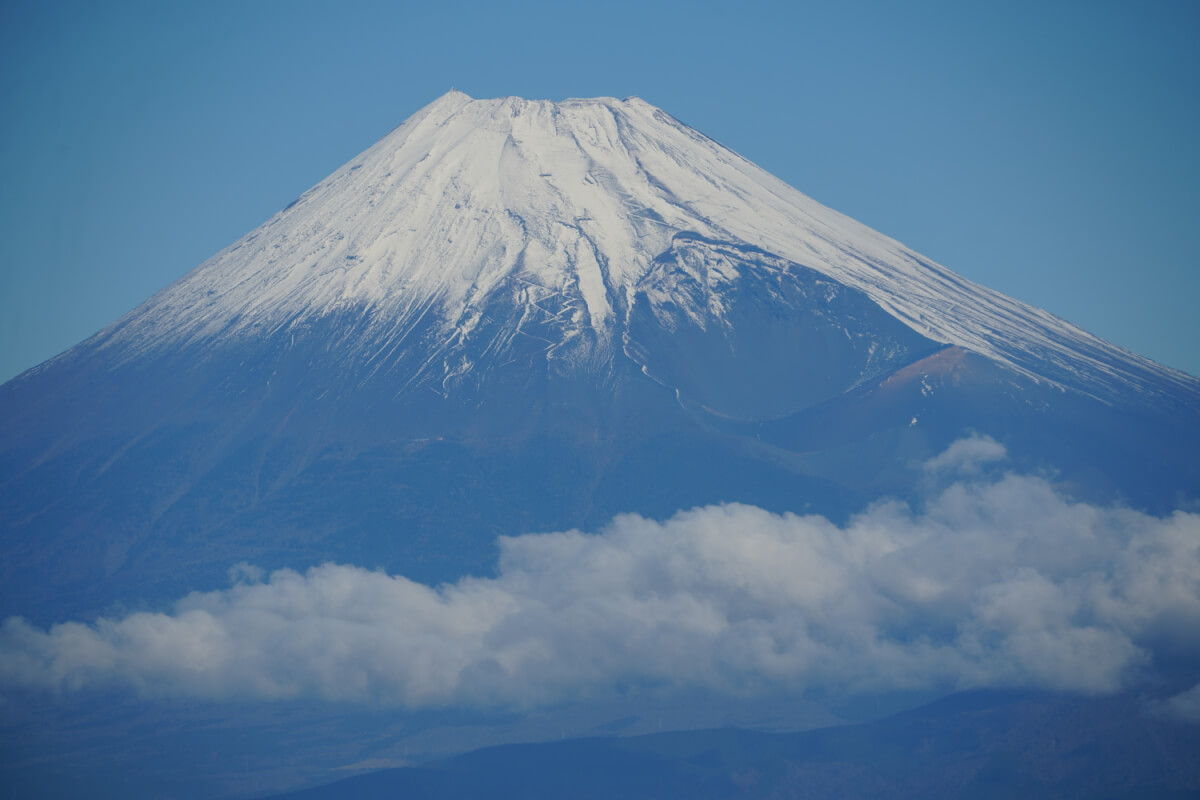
967	455
997	583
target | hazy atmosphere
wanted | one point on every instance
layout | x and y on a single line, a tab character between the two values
996	581
672	400
1043	150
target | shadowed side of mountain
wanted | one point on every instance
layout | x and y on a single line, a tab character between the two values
741	377
140	482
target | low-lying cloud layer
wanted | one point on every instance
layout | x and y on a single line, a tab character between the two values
999	582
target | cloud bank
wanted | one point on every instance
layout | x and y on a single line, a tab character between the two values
1000	582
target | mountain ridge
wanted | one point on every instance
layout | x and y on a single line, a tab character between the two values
971	744
509	316
560	209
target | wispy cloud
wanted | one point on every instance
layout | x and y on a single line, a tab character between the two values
1184	706
1000	582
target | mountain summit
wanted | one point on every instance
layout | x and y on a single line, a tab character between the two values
565	214
513	315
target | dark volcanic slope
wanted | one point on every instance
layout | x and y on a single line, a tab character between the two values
511	316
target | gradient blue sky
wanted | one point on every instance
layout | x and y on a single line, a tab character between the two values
1048	150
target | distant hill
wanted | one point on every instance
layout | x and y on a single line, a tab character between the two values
970	745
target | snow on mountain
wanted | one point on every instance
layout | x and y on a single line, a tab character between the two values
510	316
556	212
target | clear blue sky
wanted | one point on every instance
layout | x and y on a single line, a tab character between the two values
1048	150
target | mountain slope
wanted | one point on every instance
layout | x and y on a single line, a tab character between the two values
511	315
560	210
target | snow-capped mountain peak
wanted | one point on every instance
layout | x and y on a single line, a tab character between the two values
511	316
557	211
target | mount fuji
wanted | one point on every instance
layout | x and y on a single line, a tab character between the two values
562	419
511	316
